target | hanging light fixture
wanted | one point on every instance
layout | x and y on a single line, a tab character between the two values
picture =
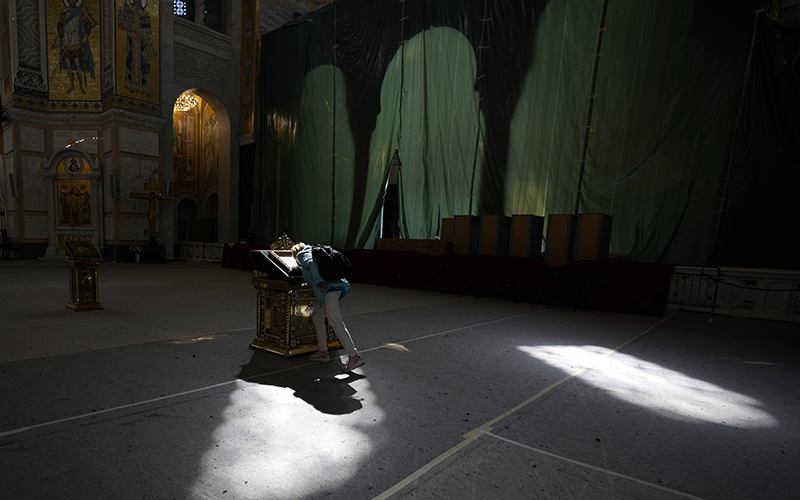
185	102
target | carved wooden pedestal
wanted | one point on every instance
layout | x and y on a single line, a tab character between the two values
83	260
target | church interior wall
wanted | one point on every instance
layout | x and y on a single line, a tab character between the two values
9	186
205	63
124	150
121	124
33	149
225	181
41	146
135	169
33	155
130	157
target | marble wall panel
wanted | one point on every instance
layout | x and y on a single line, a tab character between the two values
85	140
200	35
107	140
9	168
36	226
192	62
134	228
108	201
133	175
109	227
11	225
33	184
4	193
31	139
8	140
138	141
5	165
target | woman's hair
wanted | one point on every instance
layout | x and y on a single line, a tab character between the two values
297	248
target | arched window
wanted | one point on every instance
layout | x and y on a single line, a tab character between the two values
183	8
187	220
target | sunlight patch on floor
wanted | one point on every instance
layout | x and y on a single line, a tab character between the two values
272	444
665	391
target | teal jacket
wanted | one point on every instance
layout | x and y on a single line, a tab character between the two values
312	277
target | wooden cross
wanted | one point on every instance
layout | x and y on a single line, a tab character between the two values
154	195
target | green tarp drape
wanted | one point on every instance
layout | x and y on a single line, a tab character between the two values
488	104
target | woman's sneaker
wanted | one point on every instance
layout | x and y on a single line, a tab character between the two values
353	362
322	357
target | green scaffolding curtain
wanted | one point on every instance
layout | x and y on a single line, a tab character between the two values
761	213
629	108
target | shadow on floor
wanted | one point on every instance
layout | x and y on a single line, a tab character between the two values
323	386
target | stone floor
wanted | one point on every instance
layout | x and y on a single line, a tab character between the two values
158	396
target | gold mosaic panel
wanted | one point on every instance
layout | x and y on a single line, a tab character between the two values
186	126
196	149
73	49
209	150
137	55
74	202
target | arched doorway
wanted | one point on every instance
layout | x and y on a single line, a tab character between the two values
187	220
201	160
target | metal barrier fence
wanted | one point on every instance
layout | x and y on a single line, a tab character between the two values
201	251
695	287
743	292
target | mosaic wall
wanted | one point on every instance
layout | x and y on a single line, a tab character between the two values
73	52
81	55
196	148
137	50
79	58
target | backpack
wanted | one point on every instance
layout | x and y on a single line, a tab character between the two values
332	264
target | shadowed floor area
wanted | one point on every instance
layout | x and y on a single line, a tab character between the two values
157	395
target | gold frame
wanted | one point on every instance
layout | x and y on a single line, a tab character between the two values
283	318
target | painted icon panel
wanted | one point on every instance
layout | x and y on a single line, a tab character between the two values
73	49
74	202
137	49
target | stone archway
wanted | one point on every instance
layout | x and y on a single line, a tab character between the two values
198	163
74	187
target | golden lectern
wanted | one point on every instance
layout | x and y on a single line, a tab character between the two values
284	304
83	259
